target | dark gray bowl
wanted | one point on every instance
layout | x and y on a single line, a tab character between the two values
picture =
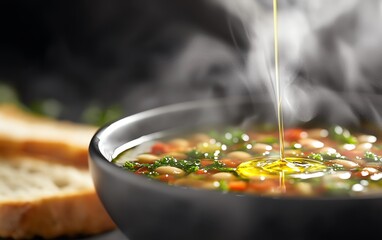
145	209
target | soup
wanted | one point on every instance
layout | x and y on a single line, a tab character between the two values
341	162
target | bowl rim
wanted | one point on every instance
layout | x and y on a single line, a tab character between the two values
96	156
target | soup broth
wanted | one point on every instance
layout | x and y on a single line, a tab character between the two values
341	163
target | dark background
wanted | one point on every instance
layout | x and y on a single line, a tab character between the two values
93	53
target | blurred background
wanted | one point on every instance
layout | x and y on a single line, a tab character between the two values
80	59
94	61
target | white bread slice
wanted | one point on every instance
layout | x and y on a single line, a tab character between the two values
24	133
48	200
45	186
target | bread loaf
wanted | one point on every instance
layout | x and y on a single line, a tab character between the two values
43	193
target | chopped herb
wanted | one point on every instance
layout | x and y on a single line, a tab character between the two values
316	156
337	167
219	166
342	135
325	156
331	156
270	140
194	155
215	165
295	146
230	136
223	186
132	165
188	166
369	156
151	174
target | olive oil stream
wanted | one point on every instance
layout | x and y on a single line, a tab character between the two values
281	166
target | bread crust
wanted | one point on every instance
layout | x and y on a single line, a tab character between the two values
70	215
27	139
55	152
24	133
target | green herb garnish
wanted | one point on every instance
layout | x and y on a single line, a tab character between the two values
316	156
219	166
188	166
370	156
270	140
230	137
194	155
342	135
325	156
132	165
337	167
223	186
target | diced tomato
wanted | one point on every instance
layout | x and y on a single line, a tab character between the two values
293	134
361	174
231	163
160	148
238	186
201	172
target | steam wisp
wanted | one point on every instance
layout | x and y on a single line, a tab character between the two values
327	48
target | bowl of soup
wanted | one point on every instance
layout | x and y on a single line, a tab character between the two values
216	169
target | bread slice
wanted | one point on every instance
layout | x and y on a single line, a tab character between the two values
46	190
24	133
48	200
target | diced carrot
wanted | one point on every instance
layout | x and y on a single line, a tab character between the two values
160	148
238	186
206	162
142	170
293	134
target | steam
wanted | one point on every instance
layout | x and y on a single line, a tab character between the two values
202	69
326	48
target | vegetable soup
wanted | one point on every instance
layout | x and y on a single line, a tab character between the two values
325	161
